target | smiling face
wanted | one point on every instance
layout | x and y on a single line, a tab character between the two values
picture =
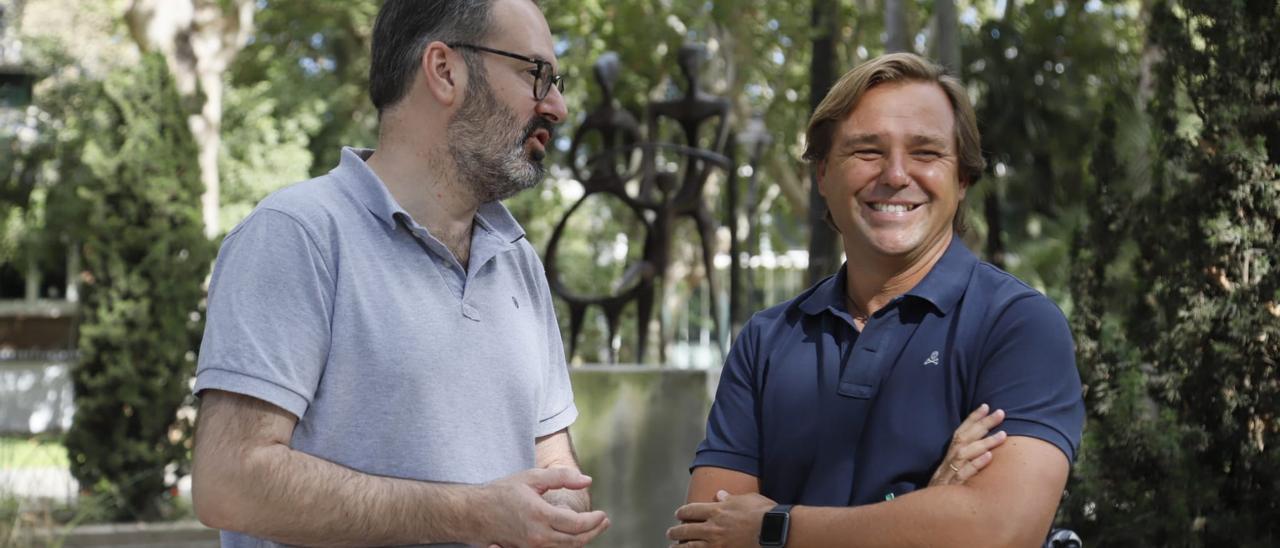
891	178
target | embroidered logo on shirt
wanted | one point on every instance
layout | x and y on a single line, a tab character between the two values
933	359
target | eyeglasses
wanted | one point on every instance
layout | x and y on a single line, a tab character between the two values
543	75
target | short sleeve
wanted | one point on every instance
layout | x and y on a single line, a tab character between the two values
733	434
1029	371
267	332
556	411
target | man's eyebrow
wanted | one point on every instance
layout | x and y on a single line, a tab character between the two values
856	139
542	58
931	140
919	139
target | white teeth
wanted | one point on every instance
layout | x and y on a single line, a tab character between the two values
892	208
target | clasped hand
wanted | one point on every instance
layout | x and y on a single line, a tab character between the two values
731	521
521	517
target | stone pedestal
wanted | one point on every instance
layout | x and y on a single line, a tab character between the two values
635	435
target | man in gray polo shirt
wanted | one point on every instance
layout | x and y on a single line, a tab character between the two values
381	361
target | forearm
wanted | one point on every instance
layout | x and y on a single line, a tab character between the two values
706	481
556	451
945	515
288	496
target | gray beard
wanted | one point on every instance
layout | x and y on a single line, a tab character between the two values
487	146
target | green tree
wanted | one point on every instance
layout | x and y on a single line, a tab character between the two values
295	96
1040	73
131	198
198	39
1178	323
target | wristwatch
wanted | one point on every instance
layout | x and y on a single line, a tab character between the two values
776	524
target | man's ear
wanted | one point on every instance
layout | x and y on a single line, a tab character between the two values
443	73
820	173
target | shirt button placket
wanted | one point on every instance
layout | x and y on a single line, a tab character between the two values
470	312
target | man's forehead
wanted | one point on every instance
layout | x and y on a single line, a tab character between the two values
919	109
520	25
858	135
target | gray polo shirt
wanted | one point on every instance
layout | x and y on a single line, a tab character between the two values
332	303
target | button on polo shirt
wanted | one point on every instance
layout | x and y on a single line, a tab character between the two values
487	242
826	415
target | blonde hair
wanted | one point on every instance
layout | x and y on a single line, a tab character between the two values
897	67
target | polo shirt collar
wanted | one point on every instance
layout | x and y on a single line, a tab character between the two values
365	186
946	282
827	295
942	286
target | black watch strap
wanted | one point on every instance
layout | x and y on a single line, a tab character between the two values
775	526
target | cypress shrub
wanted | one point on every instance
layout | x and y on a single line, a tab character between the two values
1179	336
136	215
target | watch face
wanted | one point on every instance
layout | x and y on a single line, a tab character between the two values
773	526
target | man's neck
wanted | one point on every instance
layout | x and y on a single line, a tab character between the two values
872	279
425	183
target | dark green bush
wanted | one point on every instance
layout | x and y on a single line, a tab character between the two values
1177	292
131	163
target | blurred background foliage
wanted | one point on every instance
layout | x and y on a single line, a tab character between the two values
1132	176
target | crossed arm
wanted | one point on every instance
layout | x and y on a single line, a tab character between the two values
1011	504
247	478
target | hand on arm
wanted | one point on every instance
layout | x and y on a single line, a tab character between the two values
730	521
246	478
970	449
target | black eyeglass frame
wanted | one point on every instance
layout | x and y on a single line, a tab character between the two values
541	83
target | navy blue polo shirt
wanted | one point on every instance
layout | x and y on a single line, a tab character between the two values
827	416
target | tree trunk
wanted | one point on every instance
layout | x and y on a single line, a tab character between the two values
198	39
946	44
895	27
995	228
1152	55
823	244
782	170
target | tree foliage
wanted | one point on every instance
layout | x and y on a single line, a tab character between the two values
1177	320
132	203
1040	73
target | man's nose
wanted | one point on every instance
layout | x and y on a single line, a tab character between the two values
552	107
895	170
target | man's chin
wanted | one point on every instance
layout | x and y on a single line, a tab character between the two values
889	244
517	185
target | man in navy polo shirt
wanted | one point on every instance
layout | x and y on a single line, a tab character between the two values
835	408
